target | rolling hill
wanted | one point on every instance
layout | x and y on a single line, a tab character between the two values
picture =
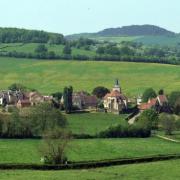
146	34
136	30
51	76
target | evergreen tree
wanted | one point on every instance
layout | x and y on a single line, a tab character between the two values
67	95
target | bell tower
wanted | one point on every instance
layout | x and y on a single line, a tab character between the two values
117	86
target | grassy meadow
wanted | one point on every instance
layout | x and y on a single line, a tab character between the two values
92	123
27	150
30	48
52	76
163	170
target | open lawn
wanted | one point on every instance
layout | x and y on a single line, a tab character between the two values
26	151
164	170
92	123
52	76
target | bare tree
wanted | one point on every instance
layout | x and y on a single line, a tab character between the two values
55	145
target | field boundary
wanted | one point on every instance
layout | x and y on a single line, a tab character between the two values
167	139
89	164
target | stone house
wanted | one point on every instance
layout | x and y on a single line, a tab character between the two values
115	101
23	103
10	97
83	100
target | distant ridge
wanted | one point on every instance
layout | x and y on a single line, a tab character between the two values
136	30
132	30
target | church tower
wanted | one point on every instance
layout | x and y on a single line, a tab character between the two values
117	86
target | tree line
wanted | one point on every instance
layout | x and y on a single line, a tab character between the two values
15	35
105	51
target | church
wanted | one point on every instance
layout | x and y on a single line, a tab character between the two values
115	101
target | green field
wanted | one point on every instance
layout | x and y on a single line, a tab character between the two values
164	170
26	151
159	40
30	48
146	40
52	76
117	39
92	123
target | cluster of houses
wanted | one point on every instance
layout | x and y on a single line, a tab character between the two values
114	102
21	99
160	103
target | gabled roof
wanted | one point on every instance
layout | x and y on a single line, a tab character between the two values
116	94
152	102
90	100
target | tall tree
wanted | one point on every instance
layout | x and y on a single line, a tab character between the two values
67	96
100	91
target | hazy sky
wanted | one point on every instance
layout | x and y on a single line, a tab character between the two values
74	16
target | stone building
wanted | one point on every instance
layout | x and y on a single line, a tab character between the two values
115	101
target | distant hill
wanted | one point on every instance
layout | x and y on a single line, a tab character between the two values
133	30
136	30
147	34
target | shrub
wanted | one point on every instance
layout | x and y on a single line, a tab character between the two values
167	122
55	146
122	131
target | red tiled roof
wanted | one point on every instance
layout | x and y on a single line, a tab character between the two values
144	106
116	94
152	102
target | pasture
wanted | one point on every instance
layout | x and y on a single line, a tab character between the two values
27	150
51	76
92	123
30	48
157	170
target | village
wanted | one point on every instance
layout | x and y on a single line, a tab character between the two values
114	101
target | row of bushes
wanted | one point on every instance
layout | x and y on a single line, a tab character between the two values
123	131
51	55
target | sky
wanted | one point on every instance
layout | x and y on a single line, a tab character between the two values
77	16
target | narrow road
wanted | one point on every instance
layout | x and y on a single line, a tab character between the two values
132	120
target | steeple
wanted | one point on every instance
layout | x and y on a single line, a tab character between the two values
117	86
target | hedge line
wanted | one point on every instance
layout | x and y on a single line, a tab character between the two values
52	56
90	164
